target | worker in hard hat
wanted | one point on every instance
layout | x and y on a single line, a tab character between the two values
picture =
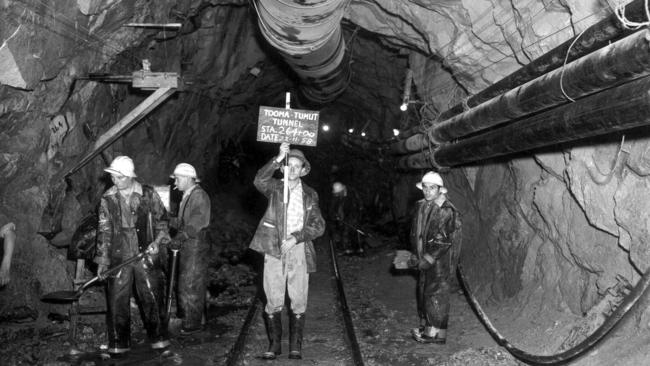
434	230
128	212
288	260
191	224
345	215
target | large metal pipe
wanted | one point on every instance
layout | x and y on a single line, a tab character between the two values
618	63
412	143
615	64
624	107
307	33
595	37
421	160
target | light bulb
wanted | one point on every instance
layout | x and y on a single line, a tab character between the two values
403	107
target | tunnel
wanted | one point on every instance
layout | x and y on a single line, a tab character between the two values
532	113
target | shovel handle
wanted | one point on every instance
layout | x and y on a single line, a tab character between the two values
114	269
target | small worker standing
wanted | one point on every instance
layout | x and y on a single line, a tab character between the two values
432	236
127	212
193	218
287	261
345	215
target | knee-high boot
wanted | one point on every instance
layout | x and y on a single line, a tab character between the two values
274	332
296	325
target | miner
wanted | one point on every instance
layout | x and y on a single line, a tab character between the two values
345	215
132	219
191	225
287	260
434	239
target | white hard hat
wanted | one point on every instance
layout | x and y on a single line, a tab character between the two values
338	187
430	178
122	165
184	170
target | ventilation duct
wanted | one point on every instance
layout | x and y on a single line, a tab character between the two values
307	34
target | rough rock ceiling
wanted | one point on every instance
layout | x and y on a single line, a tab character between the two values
548	234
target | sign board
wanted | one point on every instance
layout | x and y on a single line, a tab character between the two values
295	126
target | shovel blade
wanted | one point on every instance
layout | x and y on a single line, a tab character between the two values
61	296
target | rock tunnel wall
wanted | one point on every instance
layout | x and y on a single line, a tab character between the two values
558	229
48	119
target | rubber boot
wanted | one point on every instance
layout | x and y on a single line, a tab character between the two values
274	331
296	325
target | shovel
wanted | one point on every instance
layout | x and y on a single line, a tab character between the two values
170	292
70	296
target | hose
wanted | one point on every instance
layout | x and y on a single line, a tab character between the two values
560	358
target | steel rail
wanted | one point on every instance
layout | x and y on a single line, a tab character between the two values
347	319
238	346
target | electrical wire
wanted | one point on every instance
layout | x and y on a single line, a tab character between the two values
451	84
70	29
64	20
619	10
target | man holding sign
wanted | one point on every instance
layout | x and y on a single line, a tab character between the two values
290	257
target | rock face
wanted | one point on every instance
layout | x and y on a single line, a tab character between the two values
550	230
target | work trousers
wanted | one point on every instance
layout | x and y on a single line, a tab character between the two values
192	282
287	273
345	237
149	283
434	291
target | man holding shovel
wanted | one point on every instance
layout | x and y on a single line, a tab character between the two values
286	243
132	219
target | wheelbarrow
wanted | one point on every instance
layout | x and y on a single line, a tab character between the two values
70	296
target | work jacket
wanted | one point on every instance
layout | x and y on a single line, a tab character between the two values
193	216
434	237
112	242
270	228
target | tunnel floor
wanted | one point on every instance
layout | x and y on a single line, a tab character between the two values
383	310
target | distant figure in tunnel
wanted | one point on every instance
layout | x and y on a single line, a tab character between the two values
193	219
287	261
8	235
345	214
435	223
128	213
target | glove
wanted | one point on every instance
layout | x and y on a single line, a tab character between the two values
413	262
175	244
101	268
423	264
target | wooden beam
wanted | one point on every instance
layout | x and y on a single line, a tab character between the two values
148	80
124	125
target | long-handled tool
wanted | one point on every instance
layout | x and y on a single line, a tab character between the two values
356	229
70	296
170	290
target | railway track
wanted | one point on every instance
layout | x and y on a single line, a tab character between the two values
329	337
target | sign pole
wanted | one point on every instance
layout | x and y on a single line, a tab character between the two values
287	105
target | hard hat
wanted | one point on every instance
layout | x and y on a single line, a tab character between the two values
185	170
430	178
122	165
338	187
